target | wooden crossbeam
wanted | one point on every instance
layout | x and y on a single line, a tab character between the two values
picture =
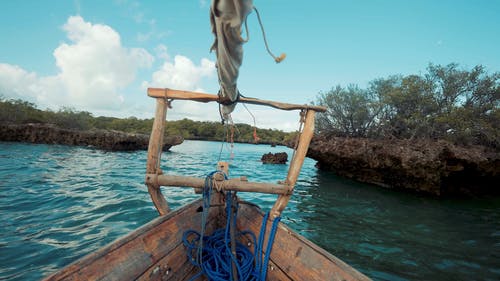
230	184
202	97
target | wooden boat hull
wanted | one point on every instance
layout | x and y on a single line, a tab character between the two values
156	252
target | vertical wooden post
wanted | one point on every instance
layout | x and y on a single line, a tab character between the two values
217	197
296	163
155	149
223	166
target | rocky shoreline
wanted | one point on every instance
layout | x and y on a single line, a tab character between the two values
438	168
102	139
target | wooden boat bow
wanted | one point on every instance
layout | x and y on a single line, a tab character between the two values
156	250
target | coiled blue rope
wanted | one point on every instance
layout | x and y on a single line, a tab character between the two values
212	253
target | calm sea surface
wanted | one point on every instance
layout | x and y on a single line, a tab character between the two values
58	203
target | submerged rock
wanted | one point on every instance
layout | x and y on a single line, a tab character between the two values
102	139
276	158
433	167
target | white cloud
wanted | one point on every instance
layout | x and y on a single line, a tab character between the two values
94	68
143	37
161	52
142	18
181	73
78	6
268	118
134	10
16	82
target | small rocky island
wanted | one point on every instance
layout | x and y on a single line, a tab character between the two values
274	158
102	139
438	168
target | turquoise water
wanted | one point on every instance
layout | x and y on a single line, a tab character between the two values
58	203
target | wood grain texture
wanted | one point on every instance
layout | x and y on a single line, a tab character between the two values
155	251
173	266
202	97
296	163
129	257
231	184
294	255
155	149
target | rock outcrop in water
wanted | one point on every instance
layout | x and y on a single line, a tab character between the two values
102	139
433	167
276	158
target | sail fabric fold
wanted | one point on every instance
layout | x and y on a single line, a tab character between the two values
226	18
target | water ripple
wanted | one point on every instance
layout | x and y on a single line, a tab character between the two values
58	203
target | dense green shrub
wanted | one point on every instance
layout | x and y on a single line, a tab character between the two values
19	112
446	102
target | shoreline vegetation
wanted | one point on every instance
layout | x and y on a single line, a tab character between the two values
110	140
436	133
22	121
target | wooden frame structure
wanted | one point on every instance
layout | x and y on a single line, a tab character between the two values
156	250
155	177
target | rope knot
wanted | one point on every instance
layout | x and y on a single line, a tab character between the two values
280	58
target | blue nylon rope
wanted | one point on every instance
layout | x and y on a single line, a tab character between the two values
212	253
270	242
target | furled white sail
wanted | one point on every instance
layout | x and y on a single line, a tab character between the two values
226	18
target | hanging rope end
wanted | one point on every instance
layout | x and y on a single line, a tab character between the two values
280	58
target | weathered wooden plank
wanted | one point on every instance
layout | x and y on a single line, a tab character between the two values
202	97
230	184
155	252
275	273
174	266
296	163
192	273
299	258
128	257
155	148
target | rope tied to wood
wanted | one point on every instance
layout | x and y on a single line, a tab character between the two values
216	255
302	120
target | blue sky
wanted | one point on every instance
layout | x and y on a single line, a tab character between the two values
99	56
